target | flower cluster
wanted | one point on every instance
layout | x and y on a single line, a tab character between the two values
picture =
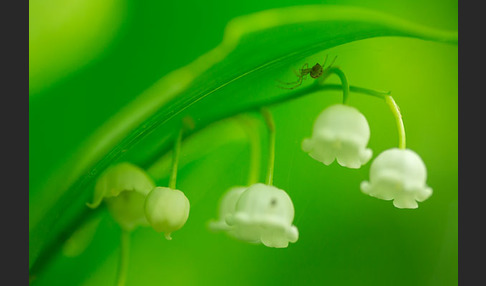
133	200
262	213
342	133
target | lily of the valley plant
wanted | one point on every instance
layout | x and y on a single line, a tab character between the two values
261	213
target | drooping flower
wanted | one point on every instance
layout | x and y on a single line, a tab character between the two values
398	175
340	133
264	214
166	210
123	187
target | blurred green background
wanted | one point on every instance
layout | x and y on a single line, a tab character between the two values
90	58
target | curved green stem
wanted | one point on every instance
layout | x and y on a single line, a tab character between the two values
398	117
124	257
344	80
175	160
255	150
317	87
271	144
367	91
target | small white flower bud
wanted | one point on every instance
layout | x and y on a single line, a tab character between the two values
264	214
398	175
166	210
340	133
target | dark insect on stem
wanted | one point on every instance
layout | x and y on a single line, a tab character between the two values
316	71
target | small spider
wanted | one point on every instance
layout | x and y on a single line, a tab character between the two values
316	71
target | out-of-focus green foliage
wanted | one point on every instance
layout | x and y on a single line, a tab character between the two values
343	232
66	35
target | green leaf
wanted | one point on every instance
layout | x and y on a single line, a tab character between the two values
236	76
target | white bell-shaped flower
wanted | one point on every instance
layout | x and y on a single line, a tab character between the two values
264	214
340	132
227	206
398	175
166	210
